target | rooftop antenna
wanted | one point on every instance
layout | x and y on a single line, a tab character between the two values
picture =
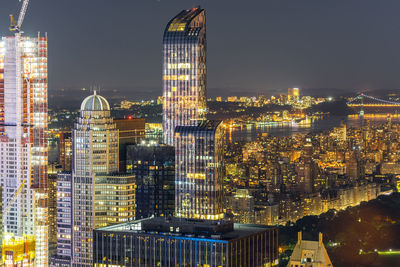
95	89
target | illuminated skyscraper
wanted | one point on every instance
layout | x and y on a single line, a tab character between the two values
198	171
23	139
184	71
95	152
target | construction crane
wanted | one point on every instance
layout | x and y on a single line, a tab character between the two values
11	201
16	26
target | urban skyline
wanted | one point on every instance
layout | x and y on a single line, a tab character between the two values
186	179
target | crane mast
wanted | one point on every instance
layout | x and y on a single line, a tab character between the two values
16	26
12	199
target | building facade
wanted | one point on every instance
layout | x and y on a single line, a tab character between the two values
23	139
180	242
64	220
184	71
199	171
114	199
154	169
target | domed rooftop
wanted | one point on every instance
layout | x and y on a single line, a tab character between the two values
95	102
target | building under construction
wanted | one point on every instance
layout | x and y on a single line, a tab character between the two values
23	144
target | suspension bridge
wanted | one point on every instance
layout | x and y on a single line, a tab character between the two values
365	103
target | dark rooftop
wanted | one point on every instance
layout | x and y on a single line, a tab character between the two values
203	229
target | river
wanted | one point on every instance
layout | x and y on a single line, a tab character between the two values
248	133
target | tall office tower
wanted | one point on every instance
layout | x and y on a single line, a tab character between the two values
95	152
198	171
65	151
184	71
293	95
154	169
23	141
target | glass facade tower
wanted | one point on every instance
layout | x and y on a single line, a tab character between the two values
23	139
198	171
184	71
154	169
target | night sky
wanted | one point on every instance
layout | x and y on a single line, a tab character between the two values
262	46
